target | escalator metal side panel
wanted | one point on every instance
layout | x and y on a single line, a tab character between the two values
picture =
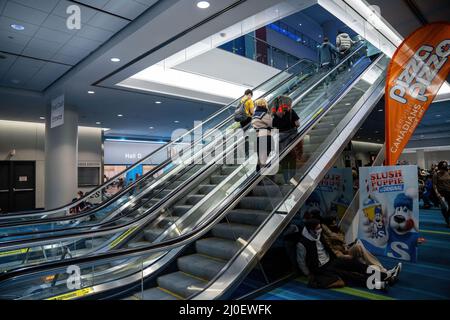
265	236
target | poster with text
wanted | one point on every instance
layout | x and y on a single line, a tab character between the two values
389	211
333	194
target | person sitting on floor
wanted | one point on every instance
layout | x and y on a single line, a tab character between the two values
335	239
325	269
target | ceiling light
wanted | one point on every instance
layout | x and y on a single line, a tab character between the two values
17	27
438	115
42	118
380	110
158	102
176	121
120	115
203	4
151	128
98	122
300	24
347	104
115	59
91	92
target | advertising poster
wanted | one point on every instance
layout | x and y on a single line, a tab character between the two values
333	194
389	211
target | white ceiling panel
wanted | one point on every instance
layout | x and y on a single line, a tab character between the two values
46	75
6	63
105	21
5	24
55	22
23	13
66	58
84	43
128	9
93	33
56	36
61	10
42	5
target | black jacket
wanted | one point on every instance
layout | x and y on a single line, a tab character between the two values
312	258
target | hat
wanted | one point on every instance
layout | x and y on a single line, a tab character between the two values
402	200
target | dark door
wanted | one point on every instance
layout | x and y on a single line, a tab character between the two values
4	185
17	186
23	186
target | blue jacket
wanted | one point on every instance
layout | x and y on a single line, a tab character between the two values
327	53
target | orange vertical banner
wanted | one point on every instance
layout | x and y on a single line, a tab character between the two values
417	70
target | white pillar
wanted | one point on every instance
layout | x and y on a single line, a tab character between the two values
420	158
61	159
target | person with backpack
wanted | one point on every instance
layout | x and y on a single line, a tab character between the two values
287	121
344	44
244	110
262	123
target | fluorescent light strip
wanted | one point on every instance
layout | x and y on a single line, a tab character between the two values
190	81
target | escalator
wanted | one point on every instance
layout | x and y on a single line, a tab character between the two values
243	216
111	202
140	225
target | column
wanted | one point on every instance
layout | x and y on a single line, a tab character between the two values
61	159
420	158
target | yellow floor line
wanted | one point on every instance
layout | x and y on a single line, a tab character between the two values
195	277
171	293
436	232
354	292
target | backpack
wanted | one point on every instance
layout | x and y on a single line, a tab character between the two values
239	113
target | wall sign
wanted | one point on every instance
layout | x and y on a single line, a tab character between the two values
57	112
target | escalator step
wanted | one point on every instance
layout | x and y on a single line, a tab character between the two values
167	221
227	170
273	190
200	266
194	198
233	231
216	179
181	284
217	247
151	234
206	188
247	216
258	203
180	210
154	294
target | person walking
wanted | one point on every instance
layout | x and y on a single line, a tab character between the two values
441	185
262	123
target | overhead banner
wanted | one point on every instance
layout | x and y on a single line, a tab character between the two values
57	113
389	211
417	70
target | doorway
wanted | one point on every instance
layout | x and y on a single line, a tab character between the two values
17	186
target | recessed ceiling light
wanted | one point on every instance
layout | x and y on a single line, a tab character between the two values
17	27
120	115
380	110
91	92
300	24
158	102
98	122
115	59
42	118
438	115
347	104
320	36
151	128
176	121
203	4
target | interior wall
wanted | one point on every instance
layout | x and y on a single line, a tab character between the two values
431	157
28	141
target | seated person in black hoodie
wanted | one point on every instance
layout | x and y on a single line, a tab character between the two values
328	271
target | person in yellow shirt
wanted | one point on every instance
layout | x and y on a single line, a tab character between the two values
249	107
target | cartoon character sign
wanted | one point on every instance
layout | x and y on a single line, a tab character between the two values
388	223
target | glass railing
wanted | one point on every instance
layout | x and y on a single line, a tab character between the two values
107	269
294	34
36	249
107	197
259	50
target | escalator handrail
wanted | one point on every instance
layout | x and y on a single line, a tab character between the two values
87	213
294	142
110	181
216	216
